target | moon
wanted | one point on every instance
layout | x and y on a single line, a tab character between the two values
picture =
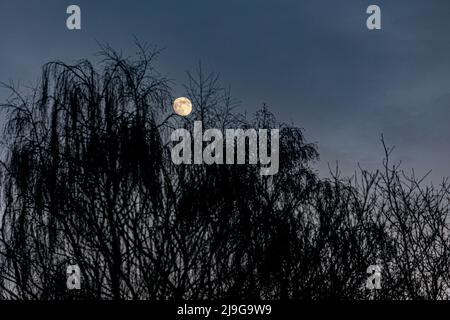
182	106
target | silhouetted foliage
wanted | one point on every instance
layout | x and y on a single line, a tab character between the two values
87	179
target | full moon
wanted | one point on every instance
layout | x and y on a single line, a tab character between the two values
182	106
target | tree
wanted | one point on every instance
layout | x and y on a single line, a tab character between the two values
87	179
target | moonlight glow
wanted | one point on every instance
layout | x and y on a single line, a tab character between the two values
182	106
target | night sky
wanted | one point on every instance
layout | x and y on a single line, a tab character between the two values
313	62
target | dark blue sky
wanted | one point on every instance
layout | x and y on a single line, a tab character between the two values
314	62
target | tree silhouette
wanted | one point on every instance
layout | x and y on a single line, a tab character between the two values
87	179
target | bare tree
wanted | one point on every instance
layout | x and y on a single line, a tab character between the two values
87	179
